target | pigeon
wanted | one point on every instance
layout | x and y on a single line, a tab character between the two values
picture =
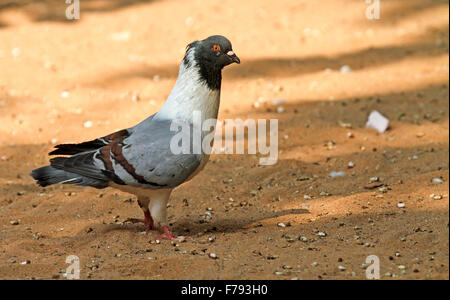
140	159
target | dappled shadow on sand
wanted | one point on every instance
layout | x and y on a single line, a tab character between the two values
394	11
54	10
424	46
428	104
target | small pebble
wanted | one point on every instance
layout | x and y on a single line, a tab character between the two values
344	124
342	268
65	94
212	255
435	197
122	36
345	69
336	174
278	101
383	189
377	121
15	52
281	225
437	180
135	97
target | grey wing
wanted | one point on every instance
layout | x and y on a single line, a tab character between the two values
158	168
145	158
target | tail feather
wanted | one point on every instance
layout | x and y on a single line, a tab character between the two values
49	175
71	149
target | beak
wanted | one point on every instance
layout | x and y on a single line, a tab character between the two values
233	57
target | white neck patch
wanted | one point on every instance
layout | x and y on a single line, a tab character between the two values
190	94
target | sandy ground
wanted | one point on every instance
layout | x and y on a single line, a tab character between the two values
116	66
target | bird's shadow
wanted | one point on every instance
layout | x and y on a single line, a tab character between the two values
186	225
232	223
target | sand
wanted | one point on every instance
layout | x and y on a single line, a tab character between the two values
118	63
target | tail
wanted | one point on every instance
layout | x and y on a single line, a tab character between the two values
49	175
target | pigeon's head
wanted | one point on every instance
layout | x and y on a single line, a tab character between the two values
212	53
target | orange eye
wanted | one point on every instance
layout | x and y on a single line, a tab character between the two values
216	48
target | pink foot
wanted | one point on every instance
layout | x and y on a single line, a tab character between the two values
167	234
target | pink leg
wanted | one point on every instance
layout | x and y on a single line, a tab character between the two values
148	221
